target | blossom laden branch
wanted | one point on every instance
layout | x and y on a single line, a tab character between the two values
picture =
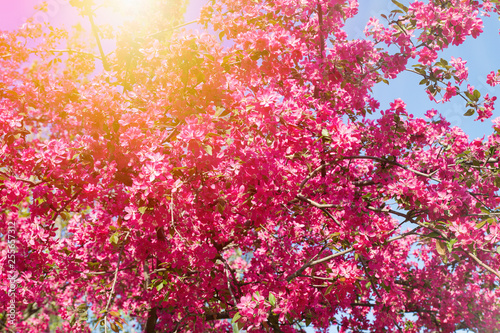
71	51
313	262
113	285
468	253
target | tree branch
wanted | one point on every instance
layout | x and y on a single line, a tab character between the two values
313	262
98	40
76	51
159	33
471	255
383	160
115	278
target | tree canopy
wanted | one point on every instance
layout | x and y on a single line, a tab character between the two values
245	177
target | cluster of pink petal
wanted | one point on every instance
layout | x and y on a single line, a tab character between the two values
486	111
493	79
214	181
461	71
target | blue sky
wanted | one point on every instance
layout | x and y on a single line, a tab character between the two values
481	55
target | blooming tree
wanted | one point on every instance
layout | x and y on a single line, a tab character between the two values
245	178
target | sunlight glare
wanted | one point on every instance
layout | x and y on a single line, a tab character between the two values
119	12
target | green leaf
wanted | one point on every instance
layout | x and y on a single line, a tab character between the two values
476	94
221	206
208	149
433	235
72	320
329	289
114	238
481	224
386	287
114	327
484	210
142	210
236	325
272	299
469	112
236	317
440	248
400	5
82	308
255	56
450	244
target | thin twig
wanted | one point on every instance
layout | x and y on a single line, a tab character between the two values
172	223
115	278
374	158
323	208
375	290
313	262
314	203
227	270
482	264
98	40
75	51
312	174
174	132
159	33
383	160
32	184
471	255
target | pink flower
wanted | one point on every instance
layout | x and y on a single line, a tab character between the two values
130	213
430	113
427	56
486	111
496	122
493	78
246	306
470	89
461	72
153	51
450	92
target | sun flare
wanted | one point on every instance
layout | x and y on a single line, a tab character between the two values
118	12
137	16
